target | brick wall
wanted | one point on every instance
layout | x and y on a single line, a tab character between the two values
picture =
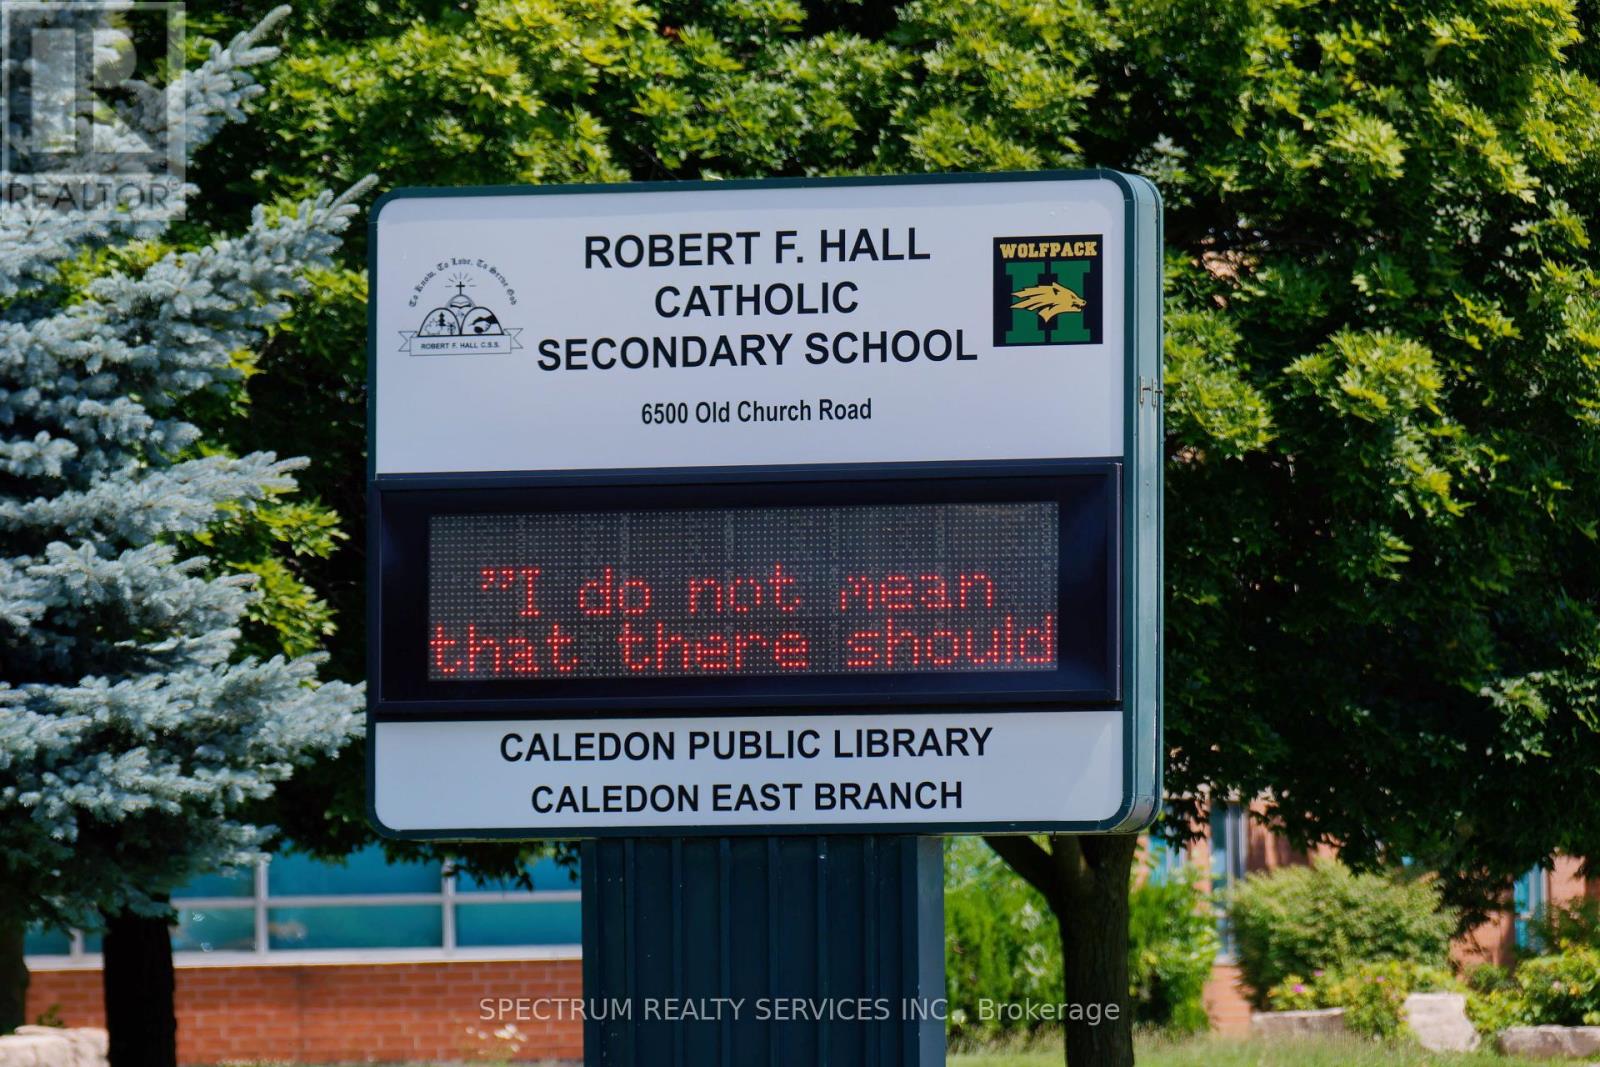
1567	882
1495	941
387	1012
1225	1001
345	1013
1492	941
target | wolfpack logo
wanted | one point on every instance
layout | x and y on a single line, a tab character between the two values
460	326
1047	290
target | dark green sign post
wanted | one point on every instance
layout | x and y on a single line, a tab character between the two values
771	950
757	534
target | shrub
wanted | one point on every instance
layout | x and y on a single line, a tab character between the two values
1558	990
1003	944
1374	999
1494	1011
1295	993
1489	978
1562	990
1001	941
1373	994
1300	920
1172	939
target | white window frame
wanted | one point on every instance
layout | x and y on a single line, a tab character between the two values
1231	870
261	900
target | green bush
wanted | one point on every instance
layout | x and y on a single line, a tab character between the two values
1494	1011
1002	944
1172	946
1562	990
1301	920
1295	993
1372	994
1001	941
1489	978
1557	990
1374	1000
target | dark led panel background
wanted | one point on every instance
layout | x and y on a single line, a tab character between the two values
732	592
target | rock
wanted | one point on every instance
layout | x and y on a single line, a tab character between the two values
32	1050
89	1045
50	1046
1550	1042
1439	1021
1279	1024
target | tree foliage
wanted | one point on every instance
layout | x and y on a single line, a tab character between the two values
1383	383
1383	328
1383	336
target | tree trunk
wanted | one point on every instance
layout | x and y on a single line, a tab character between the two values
13	974
139	991
1085	882
1093	920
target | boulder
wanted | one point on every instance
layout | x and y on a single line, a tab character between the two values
1439	1021
50	1046
1550	1042
1279	1024
28	1050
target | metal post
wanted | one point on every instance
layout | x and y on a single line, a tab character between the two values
741	951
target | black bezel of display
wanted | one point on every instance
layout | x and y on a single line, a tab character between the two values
1088	653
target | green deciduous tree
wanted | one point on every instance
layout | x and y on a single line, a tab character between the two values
1383	342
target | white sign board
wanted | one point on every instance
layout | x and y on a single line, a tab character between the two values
821	324
554	342
989	768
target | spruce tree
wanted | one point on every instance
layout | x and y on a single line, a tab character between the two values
133	730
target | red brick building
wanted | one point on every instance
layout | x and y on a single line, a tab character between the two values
346	1012
1237	846
315	963
366	961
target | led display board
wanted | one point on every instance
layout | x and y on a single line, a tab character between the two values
823	506
781	591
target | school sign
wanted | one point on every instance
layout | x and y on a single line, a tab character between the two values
767	507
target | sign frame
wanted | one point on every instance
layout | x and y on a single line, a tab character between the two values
1140	551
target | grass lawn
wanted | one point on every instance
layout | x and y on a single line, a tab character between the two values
1221	1052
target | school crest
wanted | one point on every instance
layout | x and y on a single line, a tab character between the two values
459	325
1047	290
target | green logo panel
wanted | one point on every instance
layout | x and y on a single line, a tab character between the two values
1047	290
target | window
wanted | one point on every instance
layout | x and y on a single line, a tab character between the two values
1164	859
295	909
1228	856
1528	899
